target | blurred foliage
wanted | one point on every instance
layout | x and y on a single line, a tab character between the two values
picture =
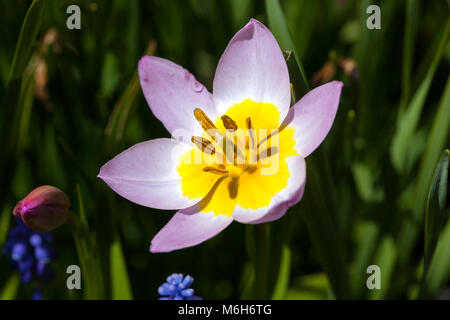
70	100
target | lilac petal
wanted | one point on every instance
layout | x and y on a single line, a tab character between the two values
313	115
187	230
279	204
252	66
173	93
147	174
279	211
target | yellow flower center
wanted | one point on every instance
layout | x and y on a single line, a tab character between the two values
239	160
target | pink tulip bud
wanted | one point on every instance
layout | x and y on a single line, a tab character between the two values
44	209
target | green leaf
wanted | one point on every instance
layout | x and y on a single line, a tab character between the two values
110	74
240	12
278	26
25	103
261	283
411	23
365	181
5	219
300	17
9	291
295	76
367	240
435	144
309	287
385	258
282	282
439	269
436	206
27	38
120	283
119	116
326	242
408	120
87	253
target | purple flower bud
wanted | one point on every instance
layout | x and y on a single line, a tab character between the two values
44	209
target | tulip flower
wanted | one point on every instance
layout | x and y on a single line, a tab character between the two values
44	209
251	144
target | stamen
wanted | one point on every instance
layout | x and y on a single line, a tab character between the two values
248	122
268	137
206	123
204	145
229	123
230	145
268	153
215	170
233	187
251	133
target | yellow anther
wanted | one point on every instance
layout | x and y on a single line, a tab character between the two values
206	123
229	123
204	145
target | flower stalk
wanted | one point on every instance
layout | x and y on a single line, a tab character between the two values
87	254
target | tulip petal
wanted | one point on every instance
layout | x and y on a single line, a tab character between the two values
147	174
173	93
282	200
313	115
252	66
186	230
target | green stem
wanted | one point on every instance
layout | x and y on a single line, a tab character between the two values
88	258
261	261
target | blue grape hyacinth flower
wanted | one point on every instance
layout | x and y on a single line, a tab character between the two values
37	294
30	252
177	287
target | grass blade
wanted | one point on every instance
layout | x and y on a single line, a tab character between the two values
385	259
240	12
87	253
9	291
5	219
439	269
120	283
282	282
324	237
119	116
435	144
367	236
278	26
409	120
408	49
27	37
435	215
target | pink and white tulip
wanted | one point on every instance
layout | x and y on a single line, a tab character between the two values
251	72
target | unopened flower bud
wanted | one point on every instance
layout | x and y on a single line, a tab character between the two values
44	209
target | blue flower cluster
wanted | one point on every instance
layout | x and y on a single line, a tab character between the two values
30	252
177	288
